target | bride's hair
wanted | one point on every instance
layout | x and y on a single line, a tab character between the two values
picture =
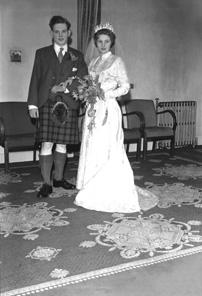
107	32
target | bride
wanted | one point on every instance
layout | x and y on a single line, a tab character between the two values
105	178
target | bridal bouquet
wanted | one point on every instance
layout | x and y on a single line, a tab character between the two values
88	92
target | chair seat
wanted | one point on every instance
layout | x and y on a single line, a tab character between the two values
154	131
17	140
131	133
18	143
19	136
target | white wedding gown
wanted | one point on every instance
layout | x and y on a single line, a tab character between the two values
105	178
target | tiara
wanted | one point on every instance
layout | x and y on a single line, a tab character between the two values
107	26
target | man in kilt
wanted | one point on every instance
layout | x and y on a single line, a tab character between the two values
50	100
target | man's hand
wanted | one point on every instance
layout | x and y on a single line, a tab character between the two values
34	113
58	88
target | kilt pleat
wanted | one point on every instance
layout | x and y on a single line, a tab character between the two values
49	131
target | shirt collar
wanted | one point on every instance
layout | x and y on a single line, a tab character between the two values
57	48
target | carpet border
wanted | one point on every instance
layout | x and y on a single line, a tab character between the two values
44	287
189	160
174	157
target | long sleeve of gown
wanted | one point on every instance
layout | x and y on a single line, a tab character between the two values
121	77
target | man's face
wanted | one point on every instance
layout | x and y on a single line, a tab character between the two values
60	34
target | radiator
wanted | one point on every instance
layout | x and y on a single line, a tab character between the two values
185	112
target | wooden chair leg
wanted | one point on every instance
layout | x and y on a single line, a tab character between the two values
127	148
172	147
145	148
6	158
138	149
154	145
34	155
35	151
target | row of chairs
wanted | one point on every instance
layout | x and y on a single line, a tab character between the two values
19	133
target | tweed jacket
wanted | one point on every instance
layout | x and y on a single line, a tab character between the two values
47	72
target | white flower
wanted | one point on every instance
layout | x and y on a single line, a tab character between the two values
193	222
87	244
70	210
31	236
59	273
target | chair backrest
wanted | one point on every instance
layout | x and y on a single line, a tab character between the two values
16	118
147	107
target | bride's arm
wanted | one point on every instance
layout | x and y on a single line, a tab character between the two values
121	77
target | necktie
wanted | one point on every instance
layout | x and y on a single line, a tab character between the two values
60	55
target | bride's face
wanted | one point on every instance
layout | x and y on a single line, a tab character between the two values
103	44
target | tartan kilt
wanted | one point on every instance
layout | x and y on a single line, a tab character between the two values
49	131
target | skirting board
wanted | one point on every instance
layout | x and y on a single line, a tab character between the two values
22	156
18	156
28	155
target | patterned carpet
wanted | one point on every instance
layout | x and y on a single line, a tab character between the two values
50	243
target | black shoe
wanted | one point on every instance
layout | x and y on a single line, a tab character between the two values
44	191
64	184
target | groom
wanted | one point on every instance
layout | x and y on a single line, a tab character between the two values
52	66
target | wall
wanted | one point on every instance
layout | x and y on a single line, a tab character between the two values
162	44
161	40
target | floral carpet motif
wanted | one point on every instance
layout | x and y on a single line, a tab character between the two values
176	194
2	194
39	258
43	253
12	177
152	234
182	172
28	219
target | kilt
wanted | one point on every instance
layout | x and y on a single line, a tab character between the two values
49	131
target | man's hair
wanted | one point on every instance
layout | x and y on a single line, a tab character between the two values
57	19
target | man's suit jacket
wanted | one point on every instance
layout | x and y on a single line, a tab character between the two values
47	72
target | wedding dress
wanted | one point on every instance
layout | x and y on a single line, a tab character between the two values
105	178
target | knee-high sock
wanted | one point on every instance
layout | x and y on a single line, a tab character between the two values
59	162
46	162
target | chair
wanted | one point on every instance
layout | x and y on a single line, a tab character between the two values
18	132
133	126
152	132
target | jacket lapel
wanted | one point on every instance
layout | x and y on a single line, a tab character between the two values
68	60
67	63
51	57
